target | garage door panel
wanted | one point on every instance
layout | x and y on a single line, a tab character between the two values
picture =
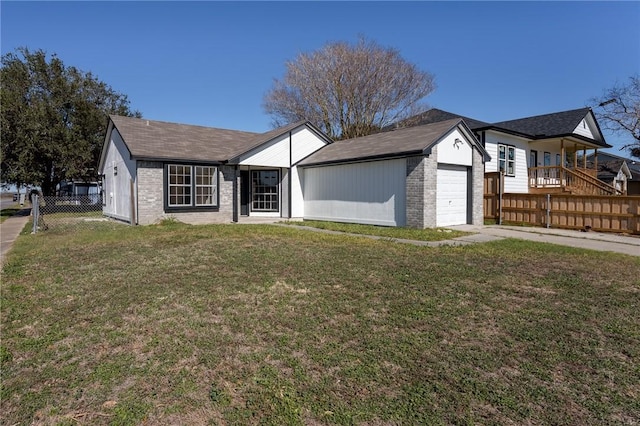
452	193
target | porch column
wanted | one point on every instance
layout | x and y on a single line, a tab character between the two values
575	156
584	158
563	160
595	161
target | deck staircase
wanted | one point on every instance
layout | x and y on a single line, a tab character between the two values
559	179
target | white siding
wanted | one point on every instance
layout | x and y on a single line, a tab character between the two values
520	182
272	154
285	150
584	129
304	142
452	195
117	185
297	198
455	149
370	193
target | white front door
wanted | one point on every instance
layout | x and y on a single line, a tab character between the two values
452	194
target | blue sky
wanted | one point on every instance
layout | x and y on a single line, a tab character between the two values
210	63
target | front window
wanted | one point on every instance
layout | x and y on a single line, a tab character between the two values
266	190
507	159
192	186
205	186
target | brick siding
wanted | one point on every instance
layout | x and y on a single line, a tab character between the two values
151	196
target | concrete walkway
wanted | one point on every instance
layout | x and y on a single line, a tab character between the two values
481	234
460	241
9	231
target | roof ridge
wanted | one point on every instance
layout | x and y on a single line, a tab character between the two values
111	116
585	109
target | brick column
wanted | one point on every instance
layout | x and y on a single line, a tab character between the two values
415	192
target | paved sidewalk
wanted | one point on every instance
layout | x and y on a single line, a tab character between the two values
10	229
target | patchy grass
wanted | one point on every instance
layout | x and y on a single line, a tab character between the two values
257	324
432	234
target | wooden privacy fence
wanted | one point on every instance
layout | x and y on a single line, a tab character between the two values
603	213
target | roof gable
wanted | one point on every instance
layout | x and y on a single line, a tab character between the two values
265	139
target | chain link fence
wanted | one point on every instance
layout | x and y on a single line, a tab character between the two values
66	213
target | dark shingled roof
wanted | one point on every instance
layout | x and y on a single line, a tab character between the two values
400	142
609	164
546	125
538	127
148	139
434	116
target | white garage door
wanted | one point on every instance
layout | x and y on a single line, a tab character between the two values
451	199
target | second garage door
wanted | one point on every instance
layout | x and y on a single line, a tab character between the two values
452	195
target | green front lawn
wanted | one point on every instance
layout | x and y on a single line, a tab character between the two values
258	324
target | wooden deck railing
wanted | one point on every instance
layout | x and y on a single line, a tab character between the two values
571	180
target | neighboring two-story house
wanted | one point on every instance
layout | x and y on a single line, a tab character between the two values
544	153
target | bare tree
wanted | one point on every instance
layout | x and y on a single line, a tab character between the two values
348	90
618	109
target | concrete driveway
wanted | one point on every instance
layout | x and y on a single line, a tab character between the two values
626	244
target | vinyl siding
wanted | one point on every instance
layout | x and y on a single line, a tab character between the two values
584	129
452	152
370	193
520	182
282	151
117	185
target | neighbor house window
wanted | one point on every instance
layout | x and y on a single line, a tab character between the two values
558	162
547	159
507	159
191	186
